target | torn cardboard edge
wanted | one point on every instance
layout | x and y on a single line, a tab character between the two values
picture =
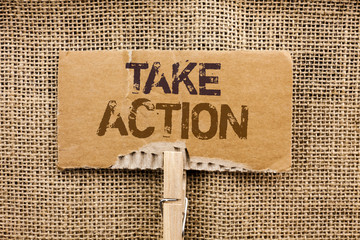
151	157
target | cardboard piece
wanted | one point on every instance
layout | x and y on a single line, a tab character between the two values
228	108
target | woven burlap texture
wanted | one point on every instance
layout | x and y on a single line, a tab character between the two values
318	199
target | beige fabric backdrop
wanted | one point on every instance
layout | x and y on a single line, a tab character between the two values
318	199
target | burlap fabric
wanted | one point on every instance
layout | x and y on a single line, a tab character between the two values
318	199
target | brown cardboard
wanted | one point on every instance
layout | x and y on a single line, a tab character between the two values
251	90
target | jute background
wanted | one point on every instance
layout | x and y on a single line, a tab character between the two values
318	199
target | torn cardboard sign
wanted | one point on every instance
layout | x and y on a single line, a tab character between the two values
225	107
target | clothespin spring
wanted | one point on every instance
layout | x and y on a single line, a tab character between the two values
162	201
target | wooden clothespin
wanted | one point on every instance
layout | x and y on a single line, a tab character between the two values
174	204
